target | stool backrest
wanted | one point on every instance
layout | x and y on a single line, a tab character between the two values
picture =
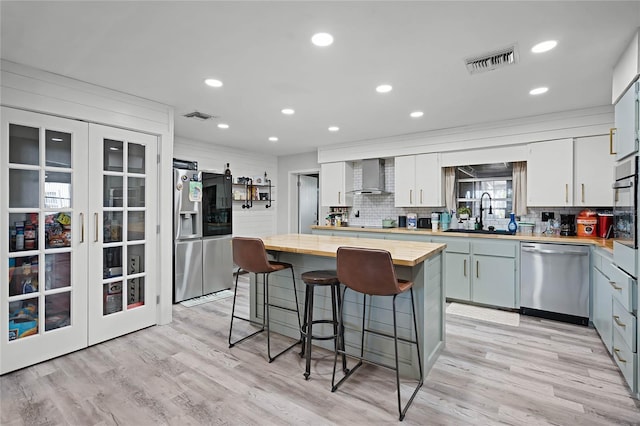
250	255
367	271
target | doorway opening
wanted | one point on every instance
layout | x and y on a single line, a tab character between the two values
308	201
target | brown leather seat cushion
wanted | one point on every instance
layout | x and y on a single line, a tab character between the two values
324	277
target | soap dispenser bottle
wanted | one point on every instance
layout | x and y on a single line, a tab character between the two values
513	226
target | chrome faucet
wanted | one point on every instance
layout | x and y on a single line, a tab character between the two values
481	208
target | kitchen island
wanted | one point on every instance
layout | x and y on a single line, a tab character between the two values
419	262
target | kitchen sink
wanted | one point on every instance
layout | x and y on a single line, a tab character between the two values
482	231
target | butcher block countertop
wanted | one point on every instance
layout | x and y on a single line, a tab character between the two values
404	253
599	242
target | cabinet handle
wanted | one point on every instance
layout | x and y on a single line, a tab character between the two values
582	192
616	353
566	193
477	269
615	287
611	132
464	267
616	195
81	228
616	318
411	196
95	216
421	197
339	196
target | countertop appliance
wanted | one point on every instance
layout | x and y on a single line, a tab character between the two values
424	222
554	281
567	225
202	257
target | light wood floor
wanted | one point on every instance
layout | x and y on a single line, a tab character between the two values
541	372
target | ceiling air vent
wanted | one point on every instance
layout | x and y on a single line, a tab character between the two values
198	116
492	60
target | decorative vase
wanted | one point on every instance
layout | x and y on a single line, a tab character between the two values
513	226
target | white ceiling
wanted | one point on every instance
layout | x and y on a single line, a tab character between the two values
262	52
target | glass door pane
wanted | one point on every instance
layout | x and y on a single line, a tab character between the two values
119	294
43	300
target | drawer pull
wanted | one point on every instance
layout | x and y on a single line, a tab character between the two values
616	353
615	287
616	318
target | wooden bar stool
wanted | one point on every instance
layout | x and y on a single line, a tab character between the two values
371	273
312	279
250	255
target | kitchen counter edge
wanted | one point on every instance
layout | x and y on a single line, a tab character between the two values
594	241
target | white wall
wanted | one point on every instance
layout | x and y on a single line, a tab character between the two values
288	169
257	221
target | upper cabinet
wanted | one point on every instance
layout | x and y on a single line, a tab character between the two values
418	181
625	138
570	172
593	169
336	182
550	173
626	70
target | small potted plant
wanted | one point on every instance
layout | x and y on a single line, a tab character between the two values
464	212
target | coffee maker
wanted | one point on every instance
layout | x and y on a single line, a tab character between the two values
567	225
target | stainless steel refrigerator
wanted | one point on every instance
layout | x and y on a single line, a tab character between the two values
202	224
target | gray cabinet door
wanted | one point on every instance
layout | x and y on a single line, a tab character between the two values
458	271
493	281
603	307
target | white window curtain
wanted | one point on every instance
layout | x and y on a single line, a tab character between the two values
520	188
450	194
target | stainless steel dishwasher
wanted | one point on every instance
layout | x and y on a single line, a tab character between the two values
554	281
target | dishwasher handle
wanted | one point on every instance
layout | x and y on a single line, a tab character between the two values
546	251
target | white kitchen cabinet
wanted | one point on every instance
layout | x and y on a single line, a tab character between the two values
625	138
593	168
336	181
418	181
80	219
550	173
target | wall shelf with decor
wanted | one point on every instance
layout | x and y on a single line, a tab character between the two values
248	191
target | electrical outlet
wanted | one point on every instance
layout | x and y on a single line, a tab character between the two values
547	215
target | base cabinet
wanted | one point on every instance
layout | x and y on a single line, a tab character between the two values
494	281
481	271
603	307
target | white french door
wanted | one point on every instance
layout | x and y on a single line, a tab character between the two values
122	236
78	218
43	270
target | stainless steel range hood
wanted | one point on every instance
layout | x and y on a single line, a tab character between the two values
372	177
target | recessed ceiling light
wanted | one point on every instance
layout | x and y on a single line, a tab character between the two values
56	139
416	114
288	111
334	128
273	139
213	82
322	39
545	46
384	88
538	90
223	126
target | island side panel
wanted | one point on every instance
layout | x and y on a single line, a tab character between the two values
435	308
